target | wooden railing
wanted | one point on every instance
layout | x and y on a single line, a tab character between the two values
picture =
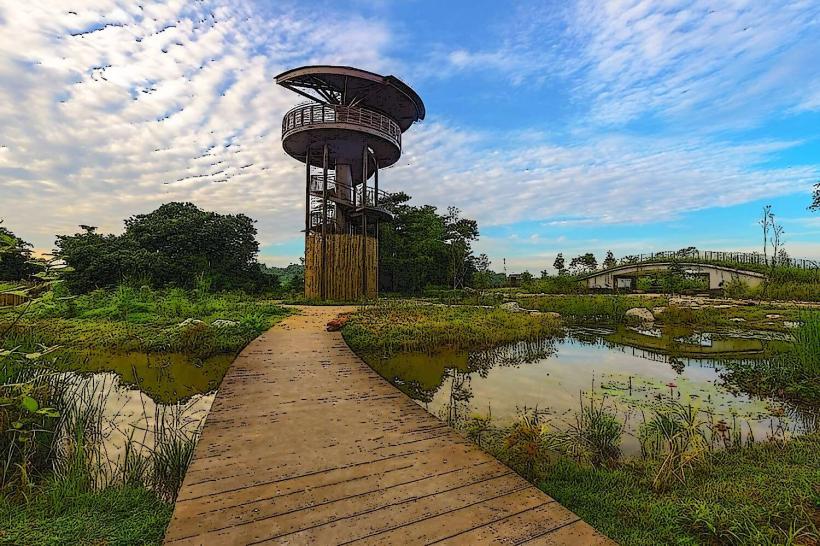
314	114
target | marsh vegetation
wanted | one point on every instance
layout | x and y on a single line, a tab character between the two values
629	425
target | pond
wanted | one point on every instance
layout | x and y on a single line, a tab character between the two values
630	370
133	400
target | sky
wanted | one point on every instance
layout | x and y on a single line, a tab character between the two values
567	126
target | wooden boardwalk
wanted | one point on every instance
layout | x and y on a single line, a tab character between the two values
305	444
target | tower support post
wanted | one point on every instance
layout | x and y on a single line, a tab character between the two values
323	275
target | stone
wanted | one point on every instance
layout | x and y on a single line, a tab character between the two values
641	313
738	319
189	322
657	311
774	316
223	323
512	306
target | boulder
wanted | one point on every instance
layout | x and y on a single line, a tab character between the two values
657	311
223	323
737	319
189	322
640	314
512	306
774	316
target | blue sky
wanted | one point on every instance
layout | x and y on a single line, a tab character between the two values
578	126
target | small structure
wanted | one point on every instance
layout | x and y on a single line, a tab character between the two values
349	129
625	277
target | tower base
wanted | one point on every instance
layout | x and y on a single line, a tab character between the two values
350	267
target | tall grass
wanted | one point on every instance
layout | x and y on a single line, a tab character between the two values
594	437
392	326
144	319
793	374
683	490
597	308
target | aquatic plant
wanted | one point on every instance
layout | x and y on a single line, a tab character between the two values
593	437
170	458
677	436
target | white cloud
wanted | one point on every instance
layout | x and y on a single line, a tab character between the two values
611	179
720	64
109	108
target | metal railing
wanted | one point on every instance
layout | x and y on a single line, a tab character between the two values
711	256
367	198
315	115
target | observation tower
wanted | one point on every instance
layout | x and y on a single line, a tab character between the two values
350	128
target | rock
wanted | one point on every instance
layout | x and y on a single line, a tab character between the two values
223	323
738	319
723	306
642	314
511	306
189	322
657	311
774	316
552	314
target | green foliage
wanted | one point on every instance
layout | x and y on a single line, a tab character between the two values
176	245
130	319
760	494
815	200
581	308
421	247
561	284
583	263
114	515
391	327
594	437
675	435
793	374
15	257
756	494
560	264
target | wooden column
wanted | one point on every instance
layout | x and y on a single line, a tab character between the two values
364	220
307	195
323	277
376	201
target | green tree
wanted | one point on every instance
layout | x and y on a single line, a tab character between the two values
584	263
15	257
458	235
815	202
420	247
483	277
178	244
609	261
526	277
560	264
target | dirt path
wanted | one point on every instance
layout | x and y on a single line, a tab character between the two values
305	444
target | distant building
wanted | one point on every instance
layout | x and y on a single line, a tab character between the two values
514	279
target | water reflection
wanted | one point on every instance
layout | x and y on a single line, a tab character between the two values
118	417
166	378
553	375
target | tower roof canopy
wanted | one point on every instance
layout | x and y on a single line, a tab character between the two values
350	86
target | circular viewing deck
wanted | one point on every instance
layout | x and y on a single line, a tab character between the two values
312	122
